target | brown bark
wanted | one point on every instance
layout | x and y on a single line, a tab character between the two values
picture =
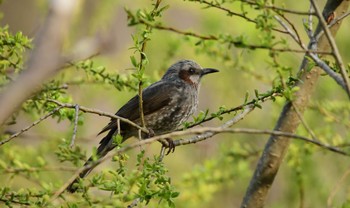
288	121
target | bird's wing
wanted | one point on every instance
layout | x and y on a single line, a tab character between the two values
155	97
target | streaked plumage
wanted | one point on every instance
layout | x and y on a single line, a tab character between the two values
166	105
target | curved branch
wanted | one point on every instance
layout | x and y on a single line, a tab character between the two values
203	133
277	146
99	112
334	47
30	126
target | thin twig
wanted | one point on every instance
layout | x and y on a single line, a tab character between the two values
118	126
200	131
338	19
334	47
311	9
308	25
240	107
203	136
30	126
203	133
279	9
291	33
131	146
236	43
277	147
162	153
100	113
140	66
306	126
317	60
337	187
294	34
142	116
232	13
36	169
328	70
76	117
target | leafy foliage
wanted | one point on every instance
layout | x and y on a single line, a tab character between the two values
259	62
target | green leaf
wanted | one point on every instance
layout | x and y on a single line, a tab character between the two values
133	61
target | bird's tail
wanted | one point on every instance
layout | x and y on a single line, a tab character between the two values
106	145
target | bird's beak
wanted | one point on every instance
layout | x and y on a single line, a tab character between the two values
208	71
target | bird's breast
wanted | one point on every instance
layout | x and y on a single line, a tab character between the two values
182	105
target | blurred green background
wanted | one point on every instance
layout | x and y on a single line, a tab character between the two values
215	172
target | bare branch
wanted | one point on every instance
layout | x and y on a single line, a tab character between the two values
236	43
30	126
76	118
308	26
203	133
279	9
220	129
37	169
200	131
276	147
338	19
306	126
143	142
294	34
314	56
325	67
262	99
141	65
333	46
100	113
231	13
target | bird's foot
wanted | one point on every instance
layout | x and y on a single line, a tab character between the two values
150	133
170	145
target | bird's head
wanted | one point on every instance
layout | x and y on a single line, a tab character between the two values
188	71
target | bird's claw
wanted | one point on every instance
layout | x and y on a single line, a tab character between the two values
150	133
171	145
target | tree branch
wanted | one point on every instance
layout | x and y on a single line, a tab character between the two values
30	126
276	147
334	47
141	65
236	43
201	131
202	134
100	113
75	128
279	9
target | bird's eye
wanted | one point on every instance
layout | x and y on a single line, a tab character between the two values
192	70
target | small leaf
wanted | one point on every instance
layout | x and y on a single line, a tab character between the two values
117	139
133	61
246	97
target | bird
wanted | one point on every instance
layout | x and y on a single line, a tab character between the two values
167	103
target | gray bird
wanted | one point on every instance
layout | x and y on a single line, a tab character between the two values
166	105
